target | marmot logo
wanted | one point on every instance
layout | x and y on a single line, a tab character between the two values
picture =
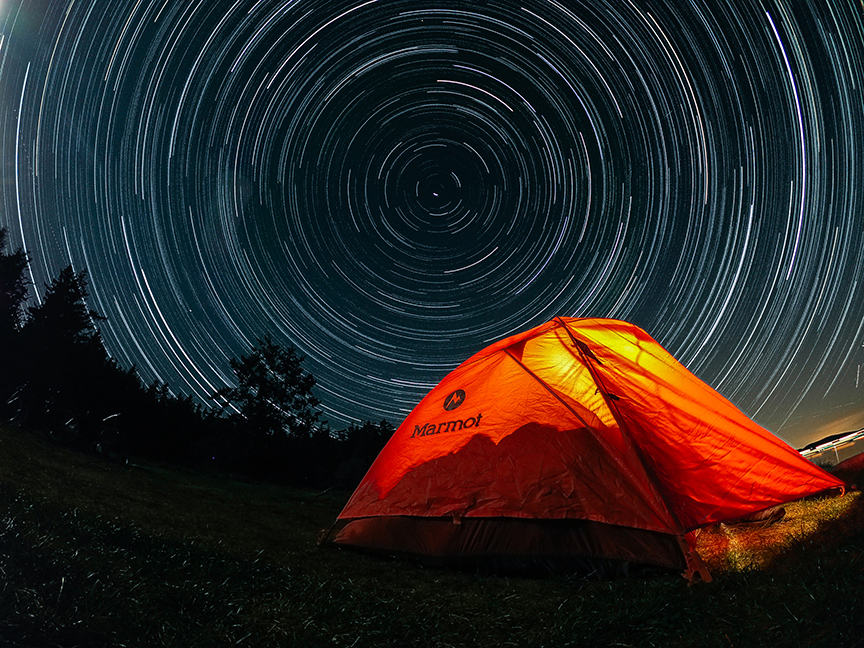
454	400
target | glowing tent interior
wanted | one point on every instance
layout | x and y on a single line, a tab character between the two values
578	440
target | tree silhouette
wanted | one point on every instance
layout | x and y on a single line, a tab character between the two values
13	289
273	394
66	370
57	380
358	446
63	320
13	292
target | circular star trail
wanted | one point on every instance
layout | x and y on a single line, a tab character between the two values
390	185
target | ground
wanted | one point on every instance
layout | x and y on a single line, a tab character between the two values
94	553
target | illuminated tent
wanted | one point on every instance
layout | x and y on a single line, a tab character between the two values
579	442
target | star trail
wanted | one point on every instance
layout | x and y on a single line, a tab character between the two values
391	185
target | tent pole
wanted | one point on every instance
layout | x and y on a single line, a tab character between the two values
694	561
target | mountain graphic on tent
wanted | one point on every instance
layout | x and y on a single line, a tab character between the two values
577	443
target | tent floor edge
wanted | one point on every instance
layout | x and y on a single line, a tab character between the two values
517	546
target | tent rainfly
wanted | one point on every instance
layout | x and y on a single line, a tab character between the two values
578	443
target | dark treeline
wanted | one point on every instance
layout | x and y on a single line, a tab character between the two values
58	381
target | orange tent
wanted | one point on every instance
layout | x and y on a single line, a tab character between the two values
580	439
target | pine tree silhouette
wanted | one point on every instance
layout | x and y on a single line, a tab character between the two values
13	292
65	366
13	289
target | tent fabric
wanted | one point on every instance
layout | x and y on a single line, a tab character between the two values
848	469
575	420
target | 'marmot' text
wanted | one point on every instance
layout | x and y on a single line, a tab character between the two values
449	426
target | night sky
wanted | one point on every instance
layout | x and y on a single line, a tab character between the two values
392	185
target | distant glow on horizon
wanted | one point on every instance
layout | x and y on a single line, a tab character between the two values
391	185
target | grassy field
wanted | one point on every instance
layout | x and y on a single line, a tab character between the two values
98	554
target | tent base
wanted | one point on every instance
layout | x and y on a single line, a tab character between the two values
515	545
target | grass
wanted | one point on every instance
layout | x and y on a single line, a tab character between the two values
97	554
759	547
